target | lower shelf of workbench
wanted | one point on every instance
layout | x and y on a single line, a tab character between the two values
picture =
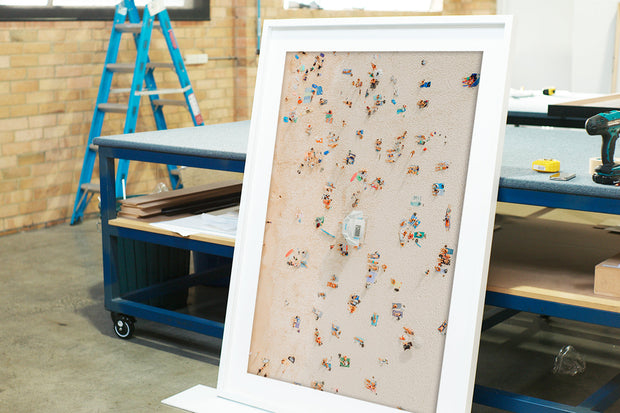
146	227
552	261
531	257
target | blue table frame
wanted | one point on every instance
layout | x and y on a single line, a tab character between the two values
192	147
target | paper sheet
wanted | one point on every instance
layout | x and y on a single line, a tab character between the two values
224	225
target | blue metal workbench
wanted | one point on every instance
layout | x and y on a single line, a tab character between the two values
219	147
520	184
223	147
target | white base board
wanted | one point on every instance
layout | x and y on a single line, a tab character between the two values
203	399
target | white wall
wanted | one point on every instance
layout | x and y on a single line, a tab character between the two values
566	44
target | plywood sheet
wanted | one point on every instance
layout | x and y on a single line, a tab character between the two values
551	261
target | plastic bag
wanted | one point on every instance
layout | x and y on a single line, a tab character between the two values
160	187
569	361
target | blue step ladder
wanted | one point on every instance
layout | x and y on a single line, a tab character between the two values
127	20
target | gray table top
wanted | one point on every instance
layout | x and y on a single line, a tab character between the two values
222	141
572	147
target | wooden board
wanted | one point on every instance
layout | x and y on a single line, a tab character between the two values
154	204
179	193
585	108
146	227
552	261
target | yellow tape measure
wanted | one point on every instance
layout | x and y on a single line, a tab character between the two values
546	165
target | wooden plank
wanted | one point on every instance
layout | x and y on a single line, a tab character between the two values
531	288
585	108
213	201
146	227
552	261
599	101
154	204
185	199
178	193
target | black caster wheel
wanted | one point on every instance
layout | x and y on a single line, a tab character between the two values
123	325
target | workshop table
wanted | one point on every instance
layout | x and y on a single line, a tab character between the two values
563	291
218	147
532	107
224	146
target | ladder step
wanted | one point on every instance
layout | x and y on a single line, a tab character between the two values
120	67
133	27
163	91
93	147
168	102
175	172
120	90
91	187
113	107
160	65
129	27
129	67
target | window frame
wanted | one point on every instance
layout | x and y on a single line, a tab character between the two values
199	11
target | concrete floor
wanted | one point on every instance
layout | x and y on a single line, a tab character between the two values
58	352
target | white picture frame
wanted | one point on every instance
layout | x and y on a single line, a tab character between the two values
490	35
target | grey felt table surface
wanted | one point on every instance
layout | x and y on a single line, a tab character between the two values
222	141
572	147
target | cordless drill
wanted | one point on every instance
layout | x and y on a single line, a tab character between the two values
608	126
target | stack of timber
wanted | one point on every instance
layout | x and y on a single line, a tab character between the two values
194	200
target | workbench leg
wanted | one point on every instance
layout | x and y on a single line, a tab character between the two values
498	317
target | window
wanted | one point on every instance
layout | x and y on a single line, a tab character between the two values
96	9
369	5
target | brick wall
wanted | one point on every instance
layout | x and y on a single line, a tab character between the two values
49	77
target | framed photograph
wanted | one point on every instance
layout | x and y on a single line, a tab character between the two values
366	217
